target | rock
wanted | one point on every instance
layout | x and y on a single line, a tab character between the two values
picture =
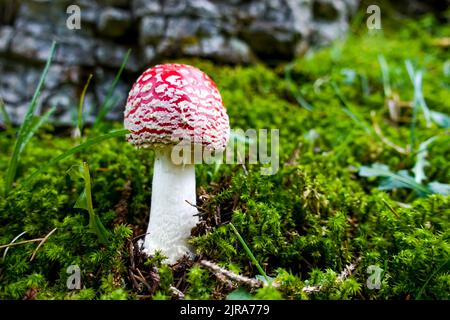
111	55
330	21
113	22
151	29
181	28
174	7
227	31
27	46
81	53
142	8
6	34
323	10
117	3
221	49
120	94
149	55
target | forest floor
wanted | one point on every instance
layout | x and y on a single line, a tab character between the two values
358	208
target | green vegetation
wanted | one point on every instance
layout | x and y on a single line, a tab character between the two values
362	182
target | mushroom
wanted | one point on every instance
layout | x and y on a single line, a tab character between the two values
169	104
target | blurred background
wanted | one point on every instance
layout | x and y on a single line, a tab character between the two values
225	31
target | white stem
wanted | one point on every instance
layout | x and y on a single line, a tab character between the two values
171	217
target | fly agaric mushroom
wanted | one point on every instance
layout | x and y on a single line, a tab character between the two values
170	103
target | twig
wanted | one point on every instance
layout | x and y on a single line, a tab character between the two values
342	276
295	155
385	140
13	240
242	163
214	268
41	243
20	242
143	280
347	271
177	293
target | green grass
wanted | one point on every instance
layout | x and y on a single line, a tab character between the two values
27	129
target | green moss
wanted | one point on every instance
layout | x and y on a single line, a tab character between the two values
304	224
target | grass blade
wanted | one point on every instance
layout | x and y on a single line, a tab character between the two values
249	253
385	75
68	153
85	202
5	115
346	108
35	127
421	162
106	106
80	106
419	101
291	85
26	125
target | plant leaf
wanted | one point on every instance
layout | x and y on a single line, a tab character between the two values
441	119
81	202
392	180
78	148
439	188
35	127
239	294
416	78
24	129
106	106
421	162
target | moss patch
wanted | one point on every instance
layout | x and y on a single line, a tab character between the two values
306	224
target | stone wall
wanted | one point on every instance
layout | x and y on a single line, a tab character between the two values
226	31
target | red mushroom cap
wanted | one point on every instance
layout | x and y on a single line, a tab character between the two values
173	102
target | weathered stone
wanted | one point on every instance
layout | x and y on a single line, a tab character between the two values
118	3
174	7
145	7
151	29
33	27
27	46
228	31
261	33
208	27
225	50
180	28
118	99
323	10
81	53
113	22
111	55
204	9
6	34
149	55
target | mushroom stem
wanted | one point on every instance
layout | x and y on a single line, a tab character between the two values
171	216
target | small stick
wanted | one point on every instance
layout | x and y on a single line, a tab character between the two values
13	240
143	280
20	242
41	243
385	140
133	279
342	276
214	268
177	293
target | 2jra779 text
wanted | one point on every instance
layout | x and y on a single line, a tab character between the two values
236	309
